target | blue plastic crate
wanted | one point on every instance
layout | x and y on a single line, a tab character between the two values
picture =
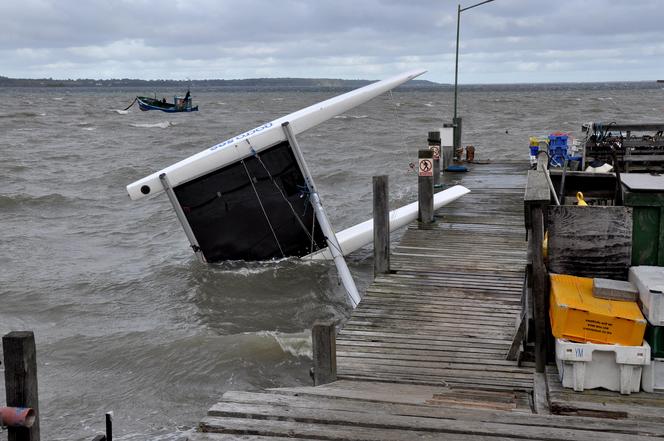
558	140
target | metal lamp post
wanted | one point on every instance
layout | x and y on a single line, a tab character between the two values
456	121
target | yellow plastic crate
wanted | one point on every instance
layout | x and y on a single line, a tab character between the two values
578	316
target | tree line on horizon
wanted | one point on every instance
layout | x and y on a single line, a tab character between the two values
307	83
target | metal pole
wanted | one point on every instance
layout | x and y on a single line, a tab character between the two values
456	63
181	216
331	238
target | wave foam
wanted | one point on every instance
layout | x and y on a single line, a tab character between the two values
297	344
160	125
351	116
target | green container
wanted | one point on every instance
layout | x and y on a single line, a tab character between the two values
645	194
655	338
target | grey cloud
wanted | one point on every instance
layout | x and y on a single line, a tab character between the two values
359	38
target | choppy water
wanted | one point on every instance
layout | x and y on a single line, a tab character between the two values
125	317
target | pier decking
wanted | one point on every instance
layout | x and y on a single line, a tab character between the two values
424	356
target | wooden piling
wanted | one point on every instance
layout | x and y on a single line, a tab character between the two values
425	186
21	390
447	149
109	426
457	136
381	225
537	198
324	348
434	145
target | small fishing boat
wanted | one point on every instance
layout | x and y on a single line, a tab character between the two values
179	104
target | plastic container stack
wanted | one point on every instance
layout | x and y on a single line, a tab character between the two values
599	342
649	280
534	149
558	148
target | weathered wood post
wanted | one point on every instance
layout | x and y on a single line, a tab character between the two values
425	186
20	356
324	348
447	145
434	146
536	199
109	426
457	136
381	225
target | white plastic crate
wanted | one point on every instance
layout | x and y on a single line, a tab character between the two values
650	282
653	376
590	365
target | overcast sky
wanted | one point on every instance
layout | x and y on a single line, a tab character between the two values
505	41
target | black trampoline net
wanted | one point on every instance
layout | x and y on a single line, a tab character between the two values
235	220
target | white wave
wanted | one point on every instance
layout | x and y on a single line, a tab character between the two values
428	104
160	125
297	344
59	98
121	112
351	116
89	128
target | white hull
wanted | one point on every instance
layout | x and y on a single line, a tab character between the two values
262	137
360	235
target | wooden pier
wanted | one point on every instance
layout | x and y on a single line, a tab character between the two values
430	353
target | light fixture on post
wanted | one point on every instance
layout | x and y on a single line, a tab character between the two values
456	121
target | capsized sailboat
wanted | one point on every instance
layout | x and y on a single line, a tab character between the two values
250	196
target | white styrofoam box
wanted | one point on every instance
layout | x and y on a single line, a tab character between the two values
650	282
590	365
653	376
447	136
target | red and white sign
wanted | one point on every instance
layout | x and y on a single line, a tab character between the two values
436	151
425	167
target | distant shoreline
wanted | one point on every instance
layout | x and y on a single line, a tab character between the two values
304	84
198	84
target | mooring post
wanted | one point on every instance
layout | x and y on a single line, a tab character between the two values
434	146
447	145
537	198
20	356
381	225
425	186
109	426
457	137
324	348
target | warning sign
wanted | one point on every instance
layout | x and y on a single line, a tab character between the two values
425	167
436	151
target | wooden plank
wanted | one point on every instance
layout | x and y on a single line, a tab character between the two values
327	431
590	241
301	420
425	401
235	437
